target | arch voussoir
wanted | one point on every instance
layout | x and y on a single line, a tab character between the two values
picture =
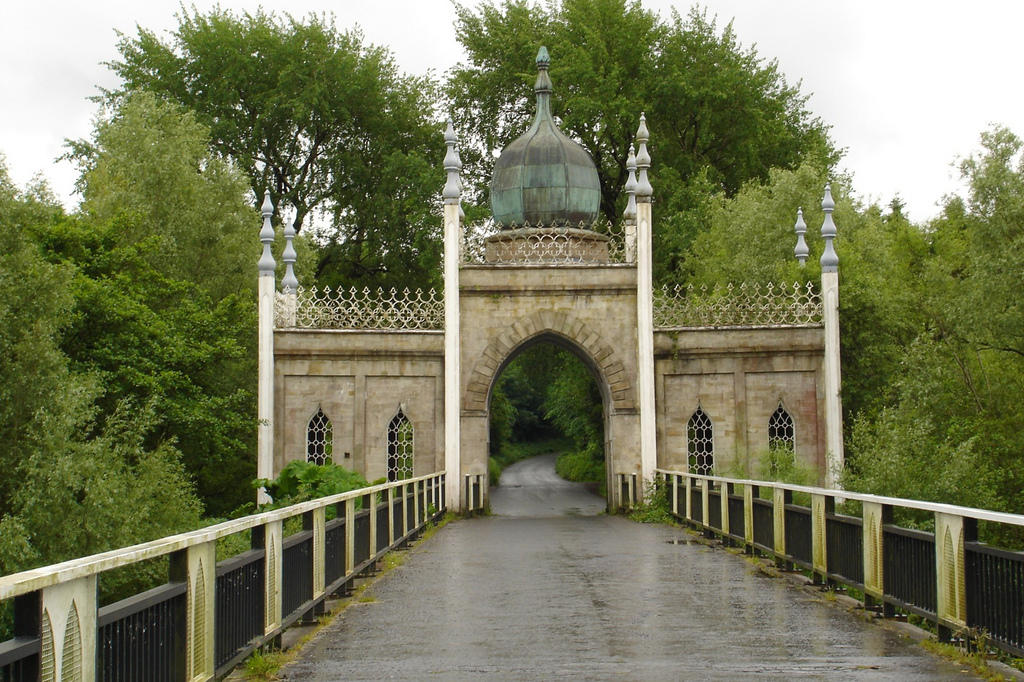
508	340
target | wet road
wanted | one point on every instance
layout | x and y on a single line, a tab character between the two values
545	590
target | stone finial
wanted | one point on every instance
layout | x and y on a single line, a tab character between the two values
643	162
829	258
289	283
452	192
630	212
801	251
267	264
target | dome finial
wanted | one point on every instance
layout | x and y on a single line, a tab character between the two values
556	184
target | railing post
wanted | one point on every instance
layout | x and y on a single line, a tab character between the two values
875	516
319	519
723	498
705	505
416	503
779	499
749	493
951	531
821	507
405	510
68	630
272	538
391	516
370	501
197	568
675	493
350	536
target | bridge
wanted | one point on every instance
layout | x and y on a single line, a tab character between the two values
398	387
632	595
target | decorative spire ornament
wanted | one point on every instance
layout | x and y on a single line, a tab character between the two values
267	264
643	162
289	283
801	251
630	212
829	258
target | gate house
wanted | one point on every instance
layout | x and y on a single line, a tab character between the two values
398	384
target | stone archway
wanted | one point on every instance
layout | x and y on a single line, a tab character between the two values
561	329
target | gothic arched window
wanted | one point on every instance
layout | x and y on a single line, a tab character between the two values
781	433
700	443
400	451
319	438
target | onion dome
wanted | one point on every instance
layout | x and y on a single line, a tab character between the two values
544	178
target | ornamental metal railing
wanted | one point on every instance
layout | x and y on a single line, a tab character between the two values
967	588
361	309
597	244
732	306
209	615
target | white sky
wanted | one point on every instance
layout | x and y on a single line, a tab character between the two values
906	86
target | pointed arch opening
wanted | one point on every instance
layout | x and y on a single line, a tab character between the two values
781	462
700	443
549	400
400	447
319	438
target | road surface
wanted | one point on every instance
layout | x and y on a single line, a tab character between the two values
546	590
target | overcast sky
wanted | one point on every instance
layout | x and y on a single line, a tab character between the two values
906	86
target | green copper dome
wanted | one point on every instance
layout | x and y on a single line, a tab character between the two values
543	178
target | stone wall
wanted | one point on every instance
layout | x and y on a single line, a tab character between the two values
739	377
360	380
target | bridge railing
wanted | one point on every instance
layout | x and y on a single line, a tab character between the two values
944	575
210	614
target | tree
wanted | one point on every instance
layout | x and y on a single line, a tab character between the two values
74	483
324	121
164	256
712	106
151	160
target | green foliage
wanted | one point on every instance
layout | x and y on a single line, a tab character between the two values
720	115
300	481
163	256
780	464
583	466
655	506
322	120
947	429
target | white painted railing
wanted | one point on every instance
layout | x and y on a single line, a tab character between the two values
944	575
209	615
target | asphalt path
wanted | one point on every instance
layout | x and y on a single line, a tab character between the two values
546	589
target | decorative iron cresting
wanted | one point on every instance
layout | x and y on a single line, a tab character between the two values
365	309
596	244
745	305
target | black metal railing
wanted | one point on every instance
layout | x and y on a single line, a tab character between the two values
909	569
764	524
714	509
202	617
297	591
797	522
334	553
737	519
19	660
995	594
844	549
140	638
697	503
981	587
240	606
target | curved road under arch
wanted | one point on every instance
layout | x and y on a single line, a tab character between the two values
548	589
